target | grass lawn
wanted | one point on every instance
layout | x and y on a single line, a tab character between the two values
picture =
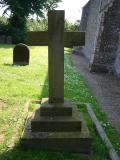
19	84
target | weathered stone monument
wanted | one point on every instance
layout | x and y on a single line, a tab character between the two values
56	124
21	54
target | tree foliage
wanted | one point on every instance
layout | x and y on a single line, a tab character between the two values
26	7
20	11
72	26
3	26
41	25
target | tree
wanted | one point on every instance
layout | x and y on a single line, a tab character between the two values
72	26
41	25
77	25
20	11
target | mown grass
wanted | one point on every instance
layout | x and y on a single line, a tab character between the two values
18	84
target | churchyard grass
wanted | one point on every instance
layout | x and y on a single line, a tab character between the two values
19	84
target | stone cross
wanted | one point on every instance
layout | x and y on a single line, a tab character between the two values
56	39
56	125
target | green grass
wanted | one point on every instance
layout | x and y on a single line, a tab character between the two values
18	84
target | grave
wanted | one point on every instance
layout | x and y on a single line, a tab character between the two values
2	38
21	54
9	40
56	124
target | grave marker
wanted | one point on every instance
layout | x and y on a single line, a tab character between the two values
21	54
9	40
56	39
56	124
2	38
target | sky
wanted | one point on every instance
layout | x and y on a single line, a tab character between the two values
73	9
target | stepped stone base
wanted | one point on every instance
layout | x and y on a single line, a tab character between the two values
55	123
55	109
61	133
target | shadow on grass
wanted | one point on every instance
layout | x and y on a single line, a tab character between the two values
45	89
8	64
15	65
20	153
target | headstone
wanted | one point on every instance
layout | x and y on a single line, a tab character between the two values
2	38
21	54
56	124
9	40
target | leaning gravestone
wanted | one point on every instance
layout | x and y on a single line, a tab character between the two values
2	38
21	54
56	124
9	40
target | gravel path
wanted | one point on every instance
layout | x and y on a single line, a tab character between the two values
105	87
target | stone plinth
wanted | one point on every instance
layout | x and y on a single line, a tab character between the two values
57	141
56	109
56	133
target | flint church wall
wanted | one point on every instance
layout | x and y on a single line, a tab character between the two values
101	22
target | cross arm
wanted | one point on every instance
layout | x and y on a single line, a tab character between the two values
71	39
37	38
74	39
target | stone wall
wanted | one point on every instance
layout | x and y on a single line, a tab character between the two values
117	60
105	4
102	34
107	44
85	15
91	28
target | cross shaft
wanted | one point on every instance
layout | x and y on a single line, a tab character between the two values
56	39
